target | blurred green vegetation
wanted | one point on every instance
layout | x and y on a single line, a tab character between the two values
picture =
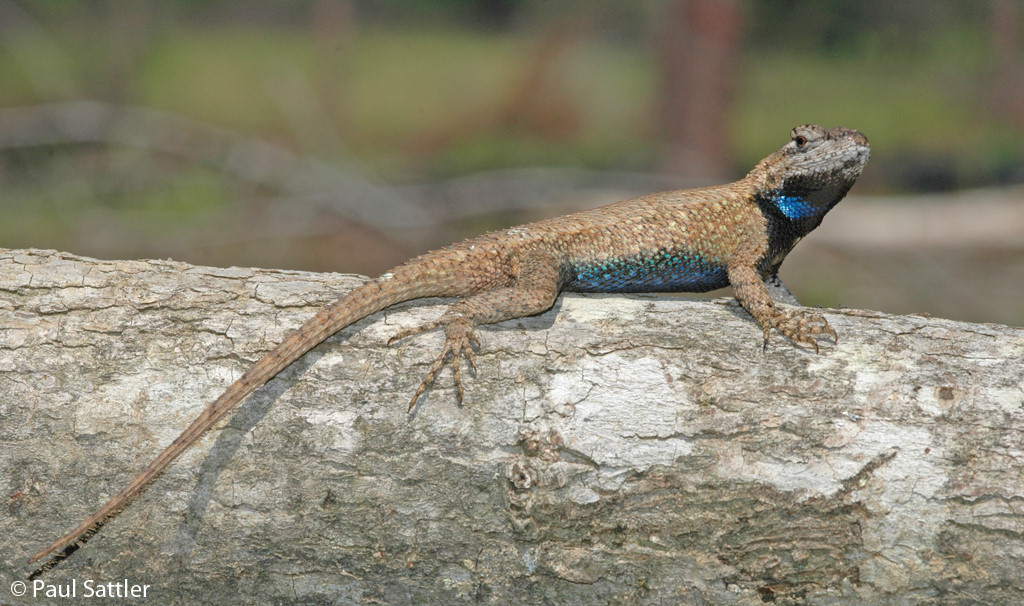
398	85
429	102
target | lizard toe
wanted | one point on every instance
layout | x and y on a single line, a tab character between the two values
415	330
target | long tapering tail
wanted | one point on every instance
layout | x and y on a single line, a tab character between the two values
357	304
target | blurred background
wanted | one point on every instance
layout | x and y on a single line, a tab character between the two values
351	135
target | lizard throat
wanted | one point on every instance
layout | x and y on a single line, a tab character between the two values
801	205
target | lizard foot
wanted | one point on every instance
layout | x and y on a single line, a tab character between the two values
802	327
459	342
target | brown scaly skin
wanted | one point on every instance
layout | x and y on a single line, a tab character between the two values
689	240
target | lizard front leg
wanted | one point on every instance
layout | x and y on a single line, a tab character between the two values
801	326
532	291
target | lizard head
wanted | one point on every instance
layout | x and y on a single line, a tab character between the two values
811	174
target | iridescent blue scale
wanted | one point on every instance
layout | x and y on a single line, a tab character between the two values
656	271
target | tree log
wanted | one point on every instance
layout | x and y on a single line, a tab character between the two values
617	449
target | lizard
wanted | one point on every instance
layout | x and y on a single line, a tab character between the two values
691	240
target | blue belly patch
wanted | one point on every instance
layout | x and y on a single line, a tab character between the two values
658	271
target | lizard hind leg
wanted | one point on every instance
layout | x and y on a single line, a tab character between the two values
532	290
460	338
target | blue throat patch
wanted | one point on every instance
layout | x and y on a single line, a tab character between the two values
796	208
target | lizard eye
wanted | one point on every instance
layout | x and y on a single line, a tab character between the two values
800	140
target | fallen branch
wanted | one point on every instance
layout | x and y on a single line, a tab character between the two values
631	448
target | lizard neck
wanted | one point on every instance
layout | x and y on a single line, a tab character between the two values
797	199
792	208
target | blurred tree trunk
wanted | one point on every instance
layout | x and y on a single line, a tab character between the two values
129	31
698	49
332	24
1009	73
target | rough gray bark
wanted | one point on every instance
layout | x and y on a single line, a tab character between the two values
618	449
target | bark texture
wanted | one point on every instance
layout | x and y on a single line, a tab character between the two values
617	449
